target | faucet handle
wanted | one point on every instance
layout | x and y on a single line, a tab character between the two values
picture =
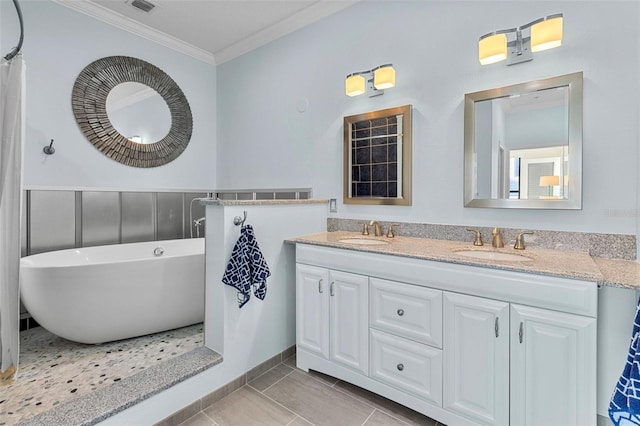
519	245
365	228
478	240
390	233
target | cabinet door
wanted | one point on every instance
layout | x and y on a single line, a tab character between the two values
476	358
312	309
349	297
553	367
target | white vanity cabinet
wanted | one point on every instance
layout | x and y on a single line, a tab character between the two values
505	358
332	315
464	345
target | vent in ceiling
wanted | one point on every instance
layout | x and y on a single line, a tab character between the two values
143	5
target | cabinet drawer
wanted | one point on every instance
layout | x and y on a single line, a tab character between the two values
407	365
407	310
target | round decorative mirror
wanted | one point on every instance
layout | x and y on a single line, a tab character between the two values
132	111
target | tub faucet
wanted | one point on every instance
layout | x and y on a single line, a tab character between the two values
376	227
497	238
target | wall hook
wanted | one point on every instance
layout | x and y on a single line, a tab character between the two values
239	221
49	149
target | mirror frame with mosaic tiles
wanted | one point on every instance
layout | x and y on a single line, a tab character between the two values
89	98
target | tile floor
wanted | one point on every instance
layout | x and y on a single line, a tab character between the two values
54	370
288	396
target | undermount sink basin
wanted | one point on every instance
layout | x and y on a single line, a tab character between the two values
363	241
493	255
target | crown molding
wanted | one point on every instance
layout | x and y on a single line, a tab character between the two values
313	13
120	21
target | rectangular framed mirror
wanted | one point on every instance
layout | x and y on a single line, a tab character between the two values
523	145
377	157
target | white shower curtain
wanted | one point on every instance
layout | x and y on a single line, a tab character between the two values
12	129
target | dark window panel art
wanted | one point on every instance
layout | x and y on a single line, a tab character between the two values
378	157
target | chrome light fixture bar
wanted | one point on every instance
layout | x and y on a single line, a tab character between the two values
379	78
544	33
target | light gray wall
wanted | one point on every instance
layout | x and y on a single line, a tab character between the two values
436	59
59	43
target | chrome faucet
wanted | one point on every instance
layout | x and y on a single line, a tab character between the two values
376	227
497	242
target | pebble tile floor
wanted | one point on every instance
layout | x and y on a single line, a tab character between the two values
287	396
54	370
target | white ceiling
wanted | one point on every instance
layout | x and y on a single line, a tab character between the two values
211	30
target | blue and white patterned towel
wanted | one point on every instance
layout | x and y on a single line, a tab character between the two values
624	408
247	268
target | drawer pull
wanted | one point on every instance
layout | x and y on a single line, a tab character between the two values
320	286
400	367
331	288
400	312
497	328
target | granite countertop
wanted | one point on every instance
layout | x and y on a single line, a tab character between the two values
619	273
565	264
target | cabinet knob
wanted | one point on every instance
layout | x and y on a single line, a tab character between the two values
400	312
400	367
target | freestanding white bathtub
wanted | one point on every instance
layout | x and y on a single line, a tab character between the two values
105	293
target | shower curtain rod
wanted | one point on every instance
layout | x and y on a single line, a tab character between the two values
16	49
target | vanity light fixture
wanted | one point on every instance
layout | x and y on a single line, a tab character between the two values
544	33
379	78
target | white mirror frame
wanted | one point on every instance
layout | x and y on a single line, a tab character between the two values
574	202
